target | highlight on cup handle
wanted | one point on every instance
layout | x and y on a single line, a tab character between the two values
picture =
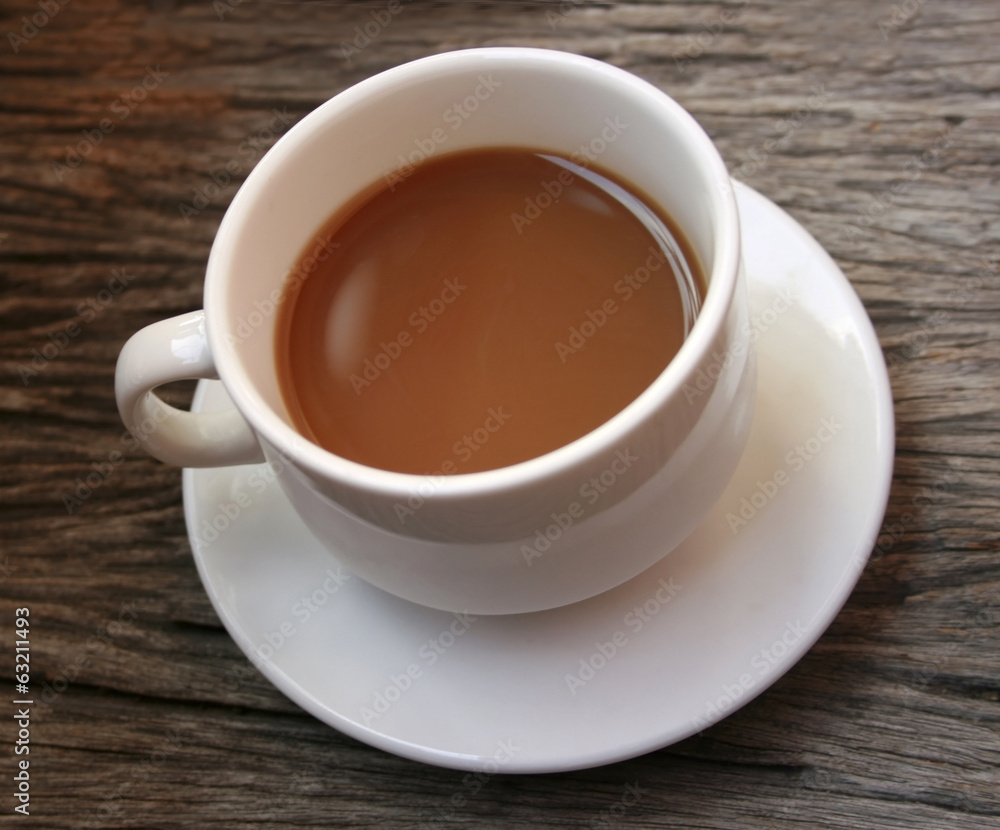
177	349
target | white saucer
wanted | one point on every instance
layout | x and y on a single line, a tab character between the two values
701	633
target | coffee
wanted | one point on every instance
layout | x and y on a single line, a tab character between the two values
489	307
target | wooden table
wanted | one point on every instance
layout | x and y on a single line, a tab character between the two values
875	125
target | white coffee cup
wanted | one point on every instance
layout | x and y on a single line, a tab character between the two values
543	533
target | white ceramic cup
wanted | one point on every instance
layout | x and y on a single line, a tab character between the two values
543	533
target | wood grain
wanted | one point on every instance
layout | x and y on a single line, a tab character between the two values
875	125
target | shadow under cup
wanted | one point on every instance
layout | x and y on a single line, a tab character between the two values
484	542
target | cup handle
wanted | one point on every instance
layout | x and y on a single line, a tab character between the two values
177	349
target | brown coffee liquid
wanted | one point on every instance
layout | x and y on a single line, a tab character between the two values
489	307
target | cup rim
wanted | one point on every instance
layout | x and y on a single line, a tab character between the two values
604	438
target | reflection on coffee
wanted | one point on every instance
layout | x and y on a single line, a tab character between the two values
496	305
